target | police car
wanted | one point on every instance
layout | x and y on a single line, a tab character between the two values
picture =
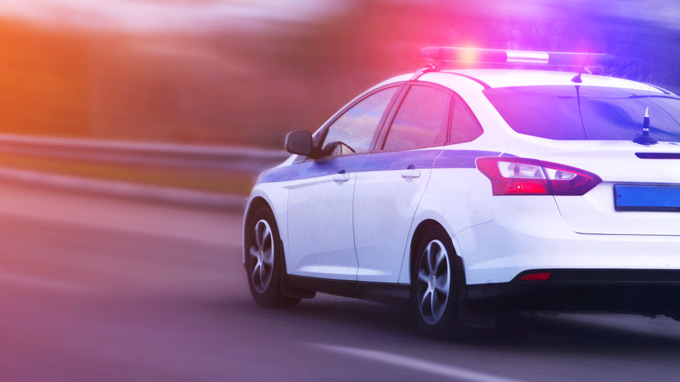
470	192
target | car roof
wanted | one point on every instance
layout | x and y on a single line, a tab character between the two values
497	78
501	78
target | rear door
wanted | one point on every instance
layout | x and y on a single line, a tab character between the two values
392	180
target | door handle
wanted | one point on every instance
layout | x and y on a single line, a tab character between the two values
341	177
410	173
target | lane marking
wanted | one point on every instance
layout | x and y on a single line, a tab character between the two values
414	363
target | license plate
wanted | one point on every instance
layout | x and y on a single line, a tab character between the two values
646	198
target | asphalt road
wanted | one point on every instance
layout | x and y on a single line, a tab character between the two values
104	289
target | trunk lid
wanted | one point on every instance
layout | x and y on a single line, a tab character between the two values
645	178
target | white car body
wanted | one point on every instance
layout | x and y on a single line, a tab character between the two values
358	226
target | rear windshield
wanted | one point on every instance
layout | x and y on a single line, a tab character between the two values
586	113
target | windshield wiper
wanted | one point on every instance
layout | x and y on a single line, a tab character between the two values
645	138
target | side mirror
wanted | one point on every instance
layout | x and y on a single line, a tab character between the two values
299	142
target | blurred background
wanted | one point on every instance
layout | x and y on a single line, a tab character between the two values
245	72
131	131
237	72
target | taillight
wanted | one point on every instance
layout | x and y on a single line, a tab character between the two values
521	176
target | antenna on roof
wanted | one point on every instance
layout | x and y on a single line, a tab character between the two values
577	78
645	138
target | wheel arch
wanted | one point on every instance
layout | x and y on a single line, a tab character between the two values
287	288
254	204
418	234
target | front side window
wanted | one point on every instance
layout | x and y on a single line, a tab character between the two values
421	120
354	130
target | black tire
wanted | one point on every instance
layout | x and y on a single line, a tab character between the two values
265	261
436	302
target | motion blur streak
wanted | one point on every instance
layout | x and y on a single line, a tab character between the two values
167	16
155	15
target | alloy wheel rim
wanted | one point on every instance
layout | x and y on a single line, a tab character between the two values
262	251
433	282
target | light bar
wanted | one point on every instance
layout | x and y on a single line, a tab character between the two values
515	56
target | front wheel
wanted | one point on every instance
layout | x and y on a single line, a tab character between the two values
264	261
437	279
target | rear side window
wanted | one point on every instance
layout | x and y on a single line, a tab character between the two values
421	121
356	127
586	113
464	127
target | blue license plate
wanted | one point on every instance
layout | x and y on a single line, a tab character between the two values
646	198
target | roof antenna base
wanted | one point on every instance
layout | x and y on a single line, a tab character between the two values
645	138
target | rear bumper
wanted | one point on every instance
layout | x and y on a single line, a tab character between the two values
620	291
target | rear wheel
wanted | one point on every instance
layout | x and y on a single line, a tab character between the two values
265	261
437	280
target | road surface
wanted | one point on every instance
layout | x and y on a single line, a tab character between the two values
102	289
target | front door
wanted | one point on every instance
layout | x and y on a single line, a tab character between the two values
320	234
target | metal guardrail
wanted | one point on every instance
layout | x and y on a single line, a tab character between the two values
242	159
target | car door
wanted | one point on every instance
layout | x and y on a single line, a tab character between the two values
392	179
320	234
